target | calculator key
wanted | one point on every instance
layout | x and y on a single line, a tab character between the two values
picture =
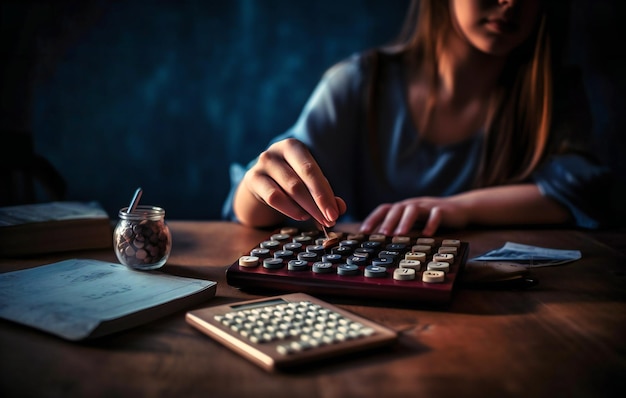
321	267
396	247
284	349
378	238
448	249
347	269
364	252
351	243
371	244
297	265
374	271
309	257
413	264
358	237
270	244
343	251
260	252
273	263
438	266
416	256
444	258
401	239
404	274
425	241
383	262
303	240
433	276
451	242
289	231
284	254
248	261
293	246
422	249
357	260
317	249
392	254
280	237
330	242
332	258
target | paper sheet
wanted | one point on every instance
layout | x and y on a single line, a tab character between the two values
71	298
532	256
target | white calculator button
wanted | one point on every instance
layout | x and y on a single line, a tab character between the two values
444	258
314	343
448	249
416	256
366	331
356	326
425	241
284	349
289	231
327	339
299	345
404	274
438	266
414	264
248	261
433	276
421	249
378	238
340	336
401	239
451	242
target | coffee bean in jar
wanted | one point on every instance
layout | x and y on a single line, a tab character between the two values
142	239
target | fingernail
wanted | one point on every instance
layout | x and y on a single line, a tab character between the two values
331	215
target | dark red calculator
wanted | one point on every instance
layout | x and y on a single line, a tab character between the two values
395	268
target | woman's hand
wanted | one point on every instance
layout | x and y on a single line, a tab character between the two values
286	180
399	218
516	204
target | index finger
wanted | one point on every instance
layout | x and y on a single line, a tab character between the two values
305	166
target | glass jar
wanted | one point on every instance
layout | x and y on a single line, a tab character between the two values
142	239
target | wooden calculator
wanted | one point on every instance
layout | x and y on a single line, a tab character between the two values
284	331
394	268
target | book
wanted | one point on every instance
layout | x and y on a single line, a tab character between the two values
81	299
53	227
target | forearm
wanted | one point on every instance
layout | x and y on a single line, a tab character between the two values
510	205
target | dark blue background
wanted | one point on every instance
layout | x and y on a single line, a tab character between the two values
165	95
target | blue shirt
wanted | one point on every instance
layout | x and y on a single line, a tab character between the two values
397	165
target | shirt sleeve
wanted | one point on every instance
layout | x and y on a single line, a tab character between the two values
580	184
572	174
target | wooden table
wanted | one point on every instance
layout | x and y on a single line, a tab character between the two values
564	338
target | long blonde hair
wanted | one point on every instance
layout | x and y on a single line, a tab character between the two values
519	121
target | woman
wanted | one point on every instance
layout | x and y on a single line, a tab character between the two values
467	120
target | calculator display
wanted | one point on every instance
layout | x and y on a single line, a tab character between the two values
263	303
